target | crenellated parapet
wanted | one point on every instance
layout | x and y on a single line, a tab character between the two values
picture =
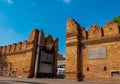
49	43
20	46
4	49
111	28
96	34
16	47
76	33
13	47
95	31
96	42
8	48
19	59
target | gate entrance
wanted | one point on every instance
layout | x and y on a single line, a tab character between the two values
46	68
35	57
45	58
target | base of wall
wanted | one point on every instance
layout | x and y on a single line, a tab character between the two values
103	80
72	77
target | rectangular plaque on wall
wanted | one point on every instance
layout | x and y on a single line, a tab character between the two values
97	53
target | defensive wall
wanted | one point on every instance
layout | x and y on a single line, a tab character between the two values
92	54
18	59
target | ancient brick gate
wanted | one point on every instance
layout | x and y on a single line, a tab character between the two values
36	57
92	54
45	58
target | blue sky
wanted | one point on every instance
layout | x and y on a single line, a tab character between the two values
19	17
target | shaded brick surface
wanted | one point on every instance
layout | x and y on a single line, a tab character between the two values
78	65
18	59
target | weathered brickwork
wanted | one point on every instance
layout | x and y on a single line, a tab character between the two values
79	45
18	59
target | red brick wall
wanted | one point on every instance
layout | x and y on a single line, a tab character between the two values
18	58
78	64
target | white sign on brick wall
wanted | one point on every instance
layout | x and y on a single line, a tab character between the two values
97	52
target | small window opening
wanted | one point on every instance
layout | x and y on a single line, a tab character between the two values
110	28
87	68
105	68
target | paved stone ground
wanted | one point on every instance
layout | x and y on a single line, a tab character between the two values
47	81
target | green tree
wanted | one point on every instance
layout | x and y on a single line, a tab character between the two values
117	19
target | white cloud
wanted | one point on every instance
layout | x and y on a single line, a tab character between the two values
10	1
7	1
67	1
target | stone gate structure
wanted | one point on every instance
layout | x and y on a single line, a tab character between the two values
36	57
92	54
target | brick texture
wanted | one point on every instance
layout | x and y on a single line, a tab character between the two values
18	59
78	64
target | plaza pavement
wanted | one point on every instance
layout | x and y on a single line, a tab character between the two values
48	81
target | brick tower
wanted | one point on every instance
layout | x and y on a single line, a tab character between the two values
73	57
